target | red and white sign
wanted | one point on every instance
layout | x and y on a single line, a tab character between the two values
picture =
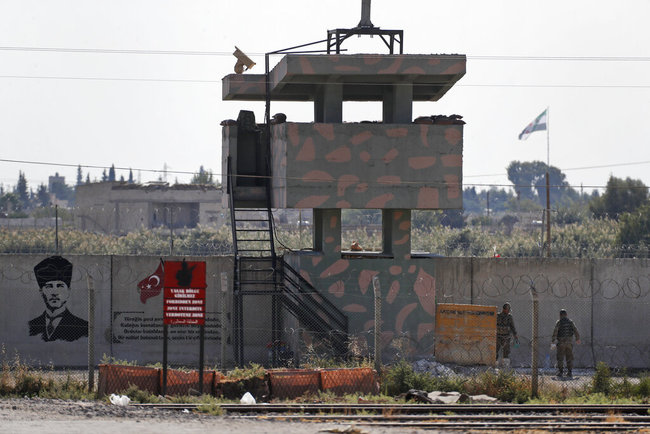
184	296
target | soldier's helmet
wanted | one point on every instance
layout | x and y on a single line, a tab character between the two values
506	306
562	312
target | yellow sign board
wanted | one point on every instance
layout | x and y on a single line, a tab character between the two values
466	334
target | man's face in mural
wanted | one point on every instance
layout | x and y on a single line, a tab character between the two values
55	294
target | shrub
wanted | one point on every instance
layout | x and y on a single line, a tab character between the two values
401	377
643	388
602	379
141	396
504	385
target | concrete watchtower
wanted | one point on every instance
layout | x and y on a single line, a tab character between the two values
395	165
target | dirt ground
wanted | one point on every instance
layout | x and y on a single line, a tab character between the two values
22	416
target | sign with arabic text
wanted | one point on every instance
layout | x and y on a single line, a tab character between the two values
184	294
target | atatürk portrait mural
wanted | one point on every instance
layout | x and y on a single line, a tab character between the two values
56	323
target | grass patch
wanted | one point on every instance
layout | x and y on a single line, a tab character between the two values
401	377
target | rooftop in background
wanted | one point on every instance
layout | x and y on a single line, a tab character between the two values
365	77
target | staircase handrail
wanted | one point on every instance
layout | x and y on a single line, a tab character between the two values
323	302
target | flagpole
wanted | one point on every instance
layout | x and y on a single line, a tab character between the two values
548	184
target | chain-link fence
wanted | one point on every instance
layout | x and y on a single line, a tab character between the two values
63	315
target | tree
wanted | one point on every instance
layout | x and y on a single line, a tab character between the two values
21	190
9	203
203	177
131	176
104	176
453	218
111	173
634	229
79	175
87	178
43	196
621	196
508	221
529	179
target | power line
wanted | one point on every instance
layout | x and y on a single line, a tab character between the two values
181	172
175	80
603	166
155	80
228	53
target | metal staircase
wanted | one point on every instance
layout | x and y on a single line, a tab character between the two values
314	311
258	272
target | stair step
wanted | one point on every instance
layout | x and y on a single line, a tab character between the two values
257	270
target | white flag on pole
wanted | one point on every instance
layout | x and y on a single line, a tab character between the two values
539	124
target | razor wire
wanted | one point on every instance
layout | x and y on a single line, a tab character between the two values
610	311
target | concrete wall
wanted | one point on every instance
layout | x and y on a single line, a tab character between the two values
609	300
125	327
353	165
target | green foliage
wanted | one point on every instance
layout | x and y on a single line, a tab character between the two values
203	177
9	203
634	227
481	220
42	196
621	196
508	222
67	388
642	389
401	377
212	409
504	385
247	372
21	190
529	180
110	360
602	379
141	396
18	379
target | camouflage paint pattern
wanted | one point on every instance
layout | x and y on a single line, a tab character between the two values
408	289
367	165
297	76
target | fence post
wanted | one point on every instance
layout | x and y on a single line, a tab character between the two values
224	331
377	291
534	373
91	333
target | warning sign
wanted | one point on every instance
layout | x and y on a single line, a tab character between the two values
184	296
466	334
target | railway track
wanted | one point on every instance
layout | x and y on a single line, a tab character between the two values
596	418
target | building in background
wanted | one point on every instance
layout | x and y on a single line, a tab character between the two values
119	208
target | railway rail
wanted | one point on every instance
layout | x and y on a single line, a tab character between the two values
596	418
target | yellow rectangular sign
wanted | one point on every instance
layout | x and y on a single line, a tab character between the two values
466	334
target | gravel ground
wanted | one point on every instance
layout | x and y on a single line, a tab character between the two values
82	417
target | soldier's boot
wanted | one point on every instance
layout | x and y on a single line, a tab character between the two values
568	373
560	371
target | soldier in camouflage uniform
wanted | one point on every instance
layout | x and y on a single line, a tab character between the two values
563	334
505	326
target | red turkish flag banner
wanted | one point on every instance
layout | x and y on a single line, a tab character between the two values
152	285
184	298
